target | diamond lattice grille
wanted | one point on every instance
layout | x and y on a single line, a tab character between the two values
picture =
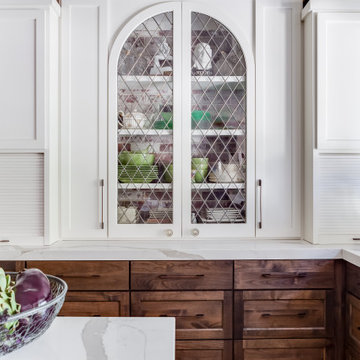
218	121
145	140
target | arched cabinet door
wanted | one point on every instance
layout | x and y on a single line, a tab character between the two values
181	126
144	126
218	128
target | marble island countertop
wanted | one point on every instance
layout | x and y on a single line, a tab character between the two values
89	338
181	250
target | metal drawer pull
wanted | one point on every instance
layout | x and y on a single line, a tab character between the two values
102	184
356	239
183	316
169	232
284	276
70	276
301	314
4	241
179	276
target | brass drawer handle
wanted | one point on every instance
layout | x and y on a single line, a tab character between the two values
301	314
181	277
74	276
283	276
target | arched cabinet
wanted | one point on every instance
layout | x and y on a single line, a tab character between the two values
181	126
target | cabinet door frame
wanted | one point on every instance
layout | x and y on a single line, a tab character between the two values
324	140
207	231
145	231
40	18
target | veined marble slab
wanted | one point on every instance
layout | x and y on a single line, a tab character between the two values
88	338
175	250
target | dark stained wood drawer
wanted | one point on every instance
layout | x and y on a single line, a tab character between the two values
204	350
283	314
199	314
353	279
12	265
283	349
88	275
352	353
84	303
181	275
284	274
353	321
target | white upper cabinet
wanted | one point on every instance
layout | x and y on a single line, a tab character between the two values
181	126
278	118
338	79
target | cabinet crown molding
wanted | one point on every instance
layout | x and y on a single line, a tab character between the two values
330	5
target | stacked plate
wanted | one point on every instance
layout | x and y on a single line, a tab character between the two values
137	173
216	215
163	216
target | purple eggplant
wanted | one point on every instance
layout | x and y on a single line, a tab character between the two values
32	289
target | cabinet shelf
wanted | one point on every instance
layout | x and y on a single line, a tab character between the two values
144	186
218	186
218	132
134	82
144	132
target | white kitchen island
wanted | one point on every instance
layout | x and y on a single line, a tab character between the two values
94	338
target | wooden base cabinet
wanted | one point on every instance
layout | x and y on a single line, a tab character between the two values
204	350
94	303
283	349
199	314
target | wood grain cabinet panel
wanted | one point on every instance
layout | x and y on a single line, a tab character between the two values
283	314
283	349
12	265
199	314
181	275
284	274
84	303
352	353
204	350
353	279
88	275
353	321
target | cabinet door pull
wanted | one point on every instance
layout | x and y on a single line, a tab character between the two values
180	276
356	239
183	316
283	276
195	232
102	184
260	206
4	241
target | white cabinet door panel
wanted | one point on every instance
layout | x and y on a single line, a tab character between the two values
22	106
83	120
338	114
278	123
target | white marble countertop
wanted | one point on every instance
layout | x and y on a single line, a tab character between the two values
181	250
88	338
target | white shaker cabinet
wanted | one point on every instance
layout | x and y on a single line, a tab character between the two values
29	121
140	60
332	121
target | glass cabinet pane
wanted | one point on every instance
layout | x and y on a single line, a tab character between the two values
218	123
145	123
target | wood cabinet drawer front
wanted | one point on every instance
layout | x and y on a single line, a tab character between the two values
353	320
12	265
284	274
199	315
84	303
181	275
283	349
283	314
204	350
88	275
352	353
353	279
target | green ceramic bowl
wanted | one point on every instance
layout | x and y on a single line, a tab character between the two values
136	158
168	174
200	119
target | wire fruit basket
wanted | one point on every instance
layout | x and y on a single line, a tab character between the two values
30	324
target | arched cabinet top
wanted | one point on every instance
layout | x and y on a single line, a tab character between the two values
180	10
